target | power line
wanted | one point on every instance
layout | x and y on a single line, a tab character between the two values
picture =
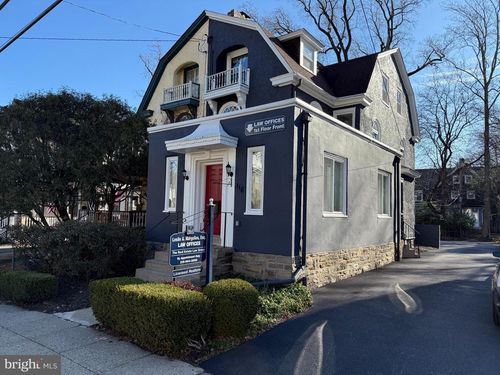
30	25
91	39
3	4
120	19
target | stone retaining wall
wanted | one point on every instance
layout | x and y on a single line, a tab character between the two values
330	266
263	266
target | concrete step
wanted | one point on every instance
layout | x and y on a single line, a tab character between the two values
158	265
161	255
154	276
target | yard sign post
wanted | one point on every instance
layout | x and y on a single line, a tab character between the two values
211	208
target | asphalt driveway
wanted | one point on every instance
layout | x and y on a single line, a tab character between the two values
420	316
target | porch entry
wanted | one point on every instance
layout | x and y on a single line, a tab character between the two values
213	189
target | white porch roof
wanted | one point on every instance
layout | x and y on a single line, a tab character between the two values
209	135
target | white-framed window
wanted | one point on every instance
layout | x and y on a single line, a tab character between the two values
468	179
347	115
334	184
471	194
308	56
255	181
399	101
229	107
384	193
385	88
456	179
419	196
171	169
454	194
237	57
376	131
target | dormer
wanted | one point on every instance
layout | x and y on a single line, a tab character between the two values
303	47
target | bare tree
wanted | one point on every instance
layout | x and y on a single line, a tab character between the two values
446	114
476	31
151	59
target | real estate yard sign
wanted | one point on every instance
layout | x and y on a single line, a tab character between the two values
187	249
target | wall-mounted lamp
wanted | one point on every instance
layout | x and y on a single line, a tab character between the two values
230	174
185	174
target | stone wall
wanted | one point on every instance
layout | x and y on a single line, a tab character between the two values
330	266
263	266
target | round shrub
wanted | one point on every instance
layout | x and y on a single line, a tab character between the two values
28	287
234	304
159	317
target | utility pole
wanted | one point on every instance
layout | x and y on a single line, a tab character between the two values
28	26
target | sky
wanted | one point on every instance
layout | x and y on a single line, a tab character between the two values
103	68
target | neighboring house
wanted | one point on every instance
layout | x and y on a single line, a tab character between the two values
464	191
311	167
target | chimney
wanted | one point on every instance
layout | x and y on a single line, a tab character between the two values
238	14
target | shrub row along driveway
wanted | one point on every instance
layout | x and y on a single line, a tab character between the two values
84	351
421	316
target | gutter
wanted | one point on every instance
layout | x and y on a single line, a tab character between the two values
397	209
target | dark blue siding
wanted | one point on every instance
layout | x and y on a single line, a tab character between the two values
263	62
271	232
160	225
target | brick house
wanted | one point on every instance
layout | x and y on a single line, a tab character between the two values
311	166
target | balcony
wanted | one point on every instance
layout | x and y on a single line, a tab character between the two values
187	94
232	81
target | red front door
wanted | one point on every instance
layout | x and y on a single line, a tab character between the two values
214	190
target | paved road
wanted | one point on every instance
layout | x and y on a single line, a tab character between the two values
421	316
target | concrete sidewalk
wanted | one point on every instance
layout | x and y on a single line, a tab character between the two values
84	350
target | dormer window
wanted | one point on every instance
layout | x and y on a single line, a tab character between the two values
303	47
308	57
191	74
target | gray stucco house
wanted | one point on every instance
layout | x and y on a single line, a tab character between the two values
311	166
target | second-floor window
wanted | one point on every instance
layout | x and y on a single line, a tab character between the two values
385	89
456	179
468	179
471	194
345	115
191	74
454	195
240	61
399	101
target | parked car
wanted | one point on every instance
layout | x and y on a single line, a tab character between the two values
495	291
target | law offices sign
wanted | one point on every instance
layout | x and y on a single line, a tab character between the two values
264	126
187	249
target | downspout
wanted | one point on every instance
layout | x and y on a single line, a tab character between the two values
397	209
300	235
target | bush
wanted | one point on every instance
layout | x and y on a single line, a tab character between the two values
102	294
28	287
81	249
276	305
234	303
185	284
159	317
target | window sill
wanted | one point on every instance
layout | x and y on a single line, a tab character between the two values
168	211
253	213
383	216
334	214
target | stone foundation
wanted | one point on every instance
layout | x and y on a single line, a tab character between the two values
263	266
330	266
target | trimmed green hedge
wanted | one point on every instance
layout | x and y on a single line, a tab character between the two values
25	286
159	317
102	297
235	303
